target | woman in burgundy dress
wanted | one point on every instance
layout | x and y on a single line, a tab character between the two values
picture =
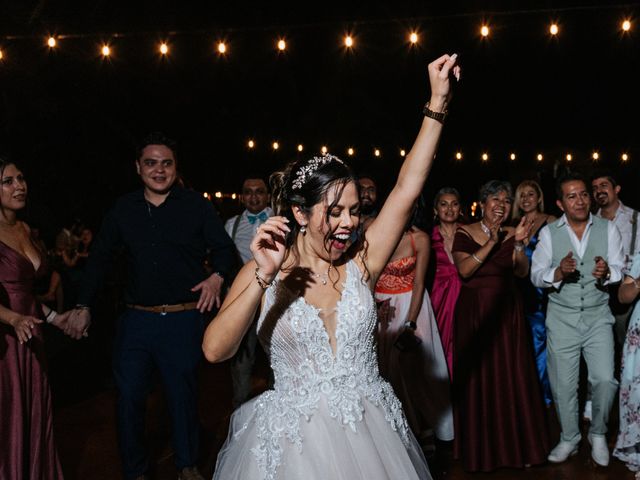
498	407
446	284
27	449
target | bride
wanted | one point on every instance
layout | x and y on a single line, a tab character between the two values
330	414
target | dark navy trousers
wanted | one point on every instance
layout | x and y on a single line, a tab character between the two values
170	344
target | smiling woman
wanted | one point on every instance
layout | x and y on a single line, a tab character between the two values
312	272
25	401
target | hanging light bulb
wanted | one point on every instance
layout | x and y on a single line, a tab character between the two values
376	152
553	29
595	155
484	31
275	145
300	147
485	157
105	50
569	157
51	41
282	45
251	144
348	41
413	38
512	156
624	157
458	155
626	26
539	157
350	151
222	48
402	152
164	48
324	150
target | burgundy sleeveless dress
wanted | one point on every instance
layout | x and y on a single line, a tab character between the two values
27	450
500	418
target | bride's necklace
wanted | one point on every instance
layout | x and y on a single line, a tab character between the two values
323	277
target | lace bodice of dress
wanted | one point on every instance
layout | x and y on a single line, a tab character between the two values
306	371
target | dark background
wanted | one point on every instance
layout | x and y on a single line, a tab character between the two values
72	119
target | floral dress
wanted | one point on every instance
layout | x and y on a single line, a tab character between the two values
628	443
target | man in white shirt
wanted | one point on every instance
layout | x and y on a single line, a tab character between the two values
577	256
605	193
241	229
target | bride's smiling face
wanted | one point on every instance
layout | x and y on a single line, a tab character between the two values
332	221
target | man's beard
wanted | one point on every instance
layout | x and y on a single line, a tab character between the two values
367	209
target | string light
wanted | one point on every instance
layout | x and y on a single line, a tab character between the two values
458	155
222	48
553	29
205	195
626	25
251	144
512	156
234	196
539	157
1	55
413	37
595	155
52	42
300	147
324	150
376	152
105	50
484	31
218	194
485	157
624	157
164	48
569	157
348	41
282	45
402	152
350	151
275	145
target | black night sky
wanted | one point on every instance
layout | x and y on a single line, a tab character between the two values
72	118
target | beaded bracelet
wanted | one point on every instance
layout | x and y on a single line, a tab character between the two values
261	281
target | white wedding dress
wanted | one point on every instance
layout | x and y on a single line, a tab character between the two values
328	417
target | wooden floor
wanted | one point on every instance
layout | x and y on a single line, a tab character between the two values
86	436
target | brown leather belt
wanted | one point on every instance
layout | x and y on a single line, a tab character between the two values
164	309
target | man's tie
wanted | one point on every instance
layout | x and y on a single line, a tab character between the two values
262	216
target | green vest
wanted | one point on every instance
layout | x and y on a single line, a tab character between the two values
584	293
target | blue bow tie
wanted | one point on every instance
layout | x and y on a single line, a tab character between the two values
262	216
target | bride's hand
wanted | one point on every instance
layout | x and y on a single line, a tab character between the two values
268	246
440	72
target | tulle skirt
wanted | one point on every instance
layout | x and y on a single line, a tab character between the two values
329	450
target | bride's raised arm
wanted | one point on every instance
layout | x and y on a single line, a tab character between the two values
385	231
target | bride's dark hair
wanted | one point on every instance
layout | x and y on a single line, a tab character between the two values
305	183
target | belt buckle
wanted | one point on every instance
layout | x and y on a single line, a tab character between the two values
163	311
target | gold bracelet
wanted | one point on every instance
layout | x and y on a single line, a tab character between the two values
261	281
475	257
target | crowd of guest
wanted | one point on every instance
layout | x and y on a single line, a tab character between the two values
478	355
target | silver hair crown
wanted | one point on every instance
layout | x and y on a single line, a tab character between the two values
312	165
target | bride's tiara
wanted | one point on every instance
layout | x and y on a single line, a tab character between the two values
311	166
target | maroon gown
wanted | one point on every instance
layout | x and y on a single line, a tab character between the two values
27	450
500	418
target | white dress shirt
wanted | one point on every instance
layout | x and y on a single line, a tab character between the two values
623	219
245	232
542	269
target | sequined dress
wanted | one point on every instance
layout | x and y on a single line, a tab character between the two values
328	416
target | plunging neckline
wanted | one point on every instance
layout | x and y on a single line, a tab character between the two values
23	256
316	310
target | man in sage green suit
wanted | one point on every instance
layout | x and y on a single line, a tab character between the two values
577	256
